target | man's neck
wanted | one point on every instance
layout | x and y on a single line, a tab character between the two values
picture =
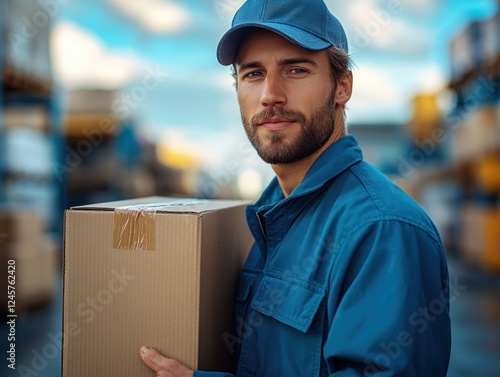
290	175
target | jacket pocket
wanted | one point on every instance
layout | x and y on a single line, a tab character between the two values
286	322
291	304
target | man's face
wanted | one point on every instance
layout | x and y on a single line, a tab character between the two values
286	97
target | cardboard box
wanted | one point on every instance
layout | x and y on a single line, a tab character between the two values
93	127
461	53
478	133
426	118
34	267
154	271
34	255
487	130
492	38
34	117
18	225
487	173
480	241
49	268
90	101
24	259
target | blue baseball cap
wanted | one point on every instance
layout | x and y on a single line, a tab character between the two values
308	24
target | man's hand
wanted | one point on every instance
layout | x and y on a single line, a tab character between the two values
163	366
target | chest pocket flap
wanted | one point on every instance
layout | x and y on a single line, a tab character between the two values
291	304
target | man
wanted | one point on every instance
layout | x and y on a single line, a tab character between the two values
348	275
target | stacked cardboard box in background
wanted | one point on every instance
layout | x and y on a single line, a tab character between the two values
480	236
34	255
152	271
475	141
28	158
91	129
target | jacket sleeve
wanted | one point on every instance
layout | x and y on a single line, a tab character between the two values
391	315
199	373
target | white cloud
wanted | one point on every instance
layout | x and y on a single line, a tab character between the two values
376	82
226	9
379	27
219	78
420	7
157	16
175	139
377	94
404	37
210	148
222	79
81	59
360	11
386	91
431	79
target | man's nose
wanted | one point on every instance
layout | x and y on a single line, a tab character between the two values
273	91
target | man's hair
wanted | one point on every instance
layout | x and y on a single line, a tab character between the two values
340	64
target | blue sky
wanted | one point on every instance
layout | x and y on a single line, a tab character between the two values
400	48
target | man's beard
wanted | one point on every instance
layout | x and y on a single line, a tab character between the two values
313	134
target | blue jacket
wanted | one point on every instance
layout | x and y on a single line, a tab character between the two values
347	277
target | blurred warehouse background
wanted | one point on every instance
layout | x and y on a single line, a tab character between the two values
109	99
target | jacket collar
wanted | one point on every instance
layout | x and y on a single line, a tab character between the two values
338	157
334	160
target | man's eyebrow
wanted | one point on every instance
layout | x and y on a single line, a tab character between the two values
250	65
283	62
300	60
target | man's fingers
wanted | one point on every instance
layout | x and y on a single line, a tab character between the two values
163	366
154	360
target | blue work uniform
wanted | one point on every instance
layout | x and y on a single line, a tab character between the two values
347	277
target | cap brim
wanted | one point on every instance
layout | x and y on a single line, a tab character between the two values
231	41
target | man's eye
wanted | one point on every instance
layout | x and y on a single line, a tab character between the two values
298	70
253	74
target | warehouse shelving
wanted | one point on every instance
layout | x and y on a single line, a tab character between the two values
91	130
2	135
472	149
25	88
456	176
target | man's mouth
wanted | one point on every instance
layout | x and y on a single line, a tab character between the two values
276	123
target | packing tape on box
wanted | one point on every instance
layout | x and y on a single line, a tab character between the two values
135	226
134	229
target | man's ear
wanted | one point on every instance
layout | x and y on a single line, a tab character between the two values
344	89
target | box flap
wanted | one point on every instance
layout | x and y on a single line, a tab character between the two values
163	205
